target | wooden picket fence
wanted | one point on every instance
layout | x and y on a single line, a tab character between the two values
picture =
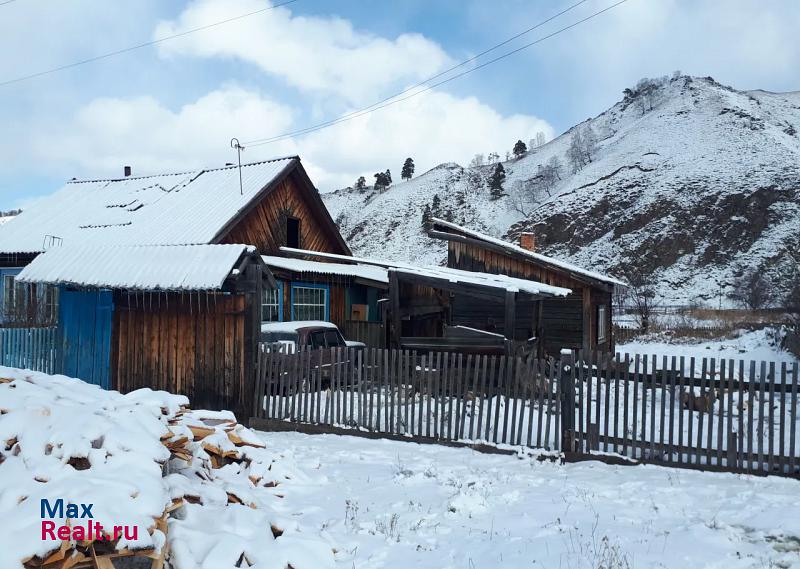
31	348
709	414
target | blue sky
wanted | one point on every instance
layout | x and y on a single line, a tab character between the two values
175	106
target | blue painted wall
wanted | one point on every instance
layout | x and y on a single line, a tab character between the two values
85	320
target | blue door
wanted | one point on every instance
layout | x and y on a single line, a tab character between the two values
85	318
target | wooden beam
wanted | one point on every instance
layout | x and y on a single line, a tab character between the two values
511	313
587	319
394	300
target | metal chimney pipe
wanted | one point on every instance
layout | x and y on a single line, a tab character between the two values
127	171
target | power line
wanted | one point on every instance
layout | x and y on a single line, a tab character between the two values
7	2
138	46
440	74
392	100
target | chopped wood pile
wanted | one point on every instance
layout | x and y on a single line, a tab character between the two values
201	489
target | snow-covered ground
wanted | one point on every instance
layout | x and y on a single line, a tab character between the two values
756	345
398	505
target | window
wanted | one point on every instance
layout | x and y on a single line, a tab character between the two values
310	302
293	232
602	323
272	304
11	291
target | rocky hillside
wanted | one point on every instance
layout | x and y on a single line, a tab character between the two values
691	182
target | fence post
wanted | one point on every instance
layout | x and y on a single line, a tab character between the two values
566	389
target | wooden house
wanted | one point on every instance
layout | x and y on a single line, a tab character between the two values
580	320
265	206
424	303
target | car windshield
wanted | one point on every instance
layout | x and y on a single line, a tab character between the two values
333	339
286	336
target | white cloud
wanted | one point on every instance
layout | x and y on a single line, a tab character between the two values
436	127
317	55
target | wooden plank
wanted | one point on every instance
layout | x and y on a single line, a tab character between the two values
662	404
501	382
462	392
490	391
635	438
532	392
482	395
626	380
793	451
681	373
761	396
742	410
476	396
653	398
750	416
607	399
508	391
771	430
700	413
720	415
554	371
710	407
354	380
586	427
617	373
580	364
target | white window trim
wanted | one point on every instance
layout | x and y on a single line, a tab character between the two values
601	330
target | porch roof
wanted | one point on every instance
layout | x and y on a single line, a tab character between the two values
143	267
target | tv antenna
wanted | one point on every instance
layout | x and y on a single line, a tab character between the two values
235	144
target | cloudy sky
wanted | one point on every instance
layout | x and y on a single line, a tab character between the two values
175	105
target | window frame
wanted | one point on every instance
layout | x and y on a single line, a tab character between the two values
279	305
602	335
327	299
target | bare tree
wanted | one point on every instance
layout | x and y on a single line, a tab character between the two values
525	196
582	147
477	161
540	138
555	166
641	294
752	291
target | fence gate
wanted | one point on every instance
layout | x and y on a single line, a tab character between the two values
85	319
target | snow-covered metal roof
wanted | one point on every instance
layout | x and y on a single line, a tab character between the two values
504	282
170	209
516	249
368	272
509	284
143	267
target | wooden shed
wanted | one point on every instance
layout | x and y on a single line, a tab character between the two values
581	320
179	318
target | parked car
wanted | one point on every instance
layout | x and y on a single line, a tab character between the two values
302	334
318	337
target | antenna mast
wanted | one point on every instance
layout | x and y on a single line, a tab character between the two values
235	144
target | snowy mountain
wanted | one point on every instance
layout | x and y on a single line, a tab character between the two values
691	182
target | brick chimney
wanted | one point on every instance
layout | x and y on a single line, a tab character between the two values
527	241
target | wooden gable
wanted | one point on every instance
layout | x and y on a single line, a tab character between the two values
290	198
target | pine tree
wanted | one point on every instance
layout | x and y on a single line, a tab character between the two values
426	216
496	181
380	181
408	169
388	178
520	149
361	184
436	207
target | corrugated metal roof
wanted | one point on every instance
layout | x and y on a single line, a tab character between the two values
491	280
170	209
369	272
145	268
